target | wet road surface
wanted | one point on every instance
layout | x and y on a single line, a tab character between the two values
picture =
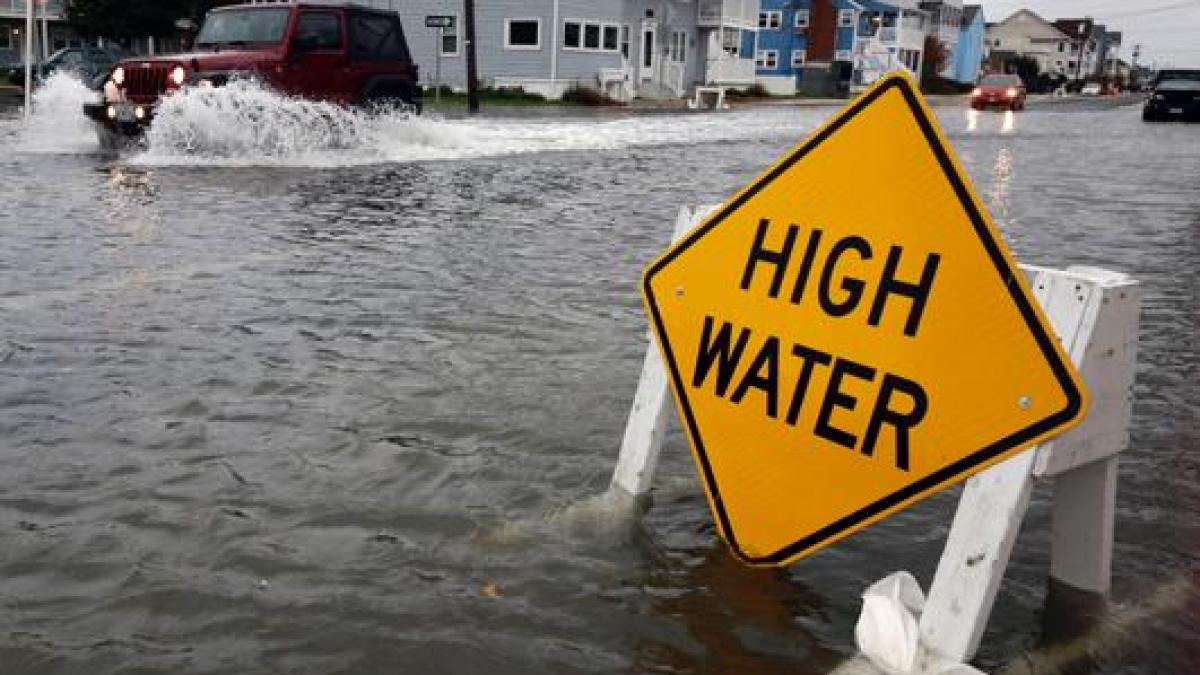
282	410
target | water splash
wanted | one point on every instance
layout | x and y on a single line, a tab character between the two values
244	124
57	125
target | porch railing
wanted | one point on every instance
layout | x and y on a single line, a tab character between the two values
729	70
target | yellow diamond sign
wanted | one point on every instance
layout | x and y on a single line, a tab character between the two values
849	334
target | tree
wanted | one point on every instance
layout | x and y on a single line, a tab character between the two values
937	57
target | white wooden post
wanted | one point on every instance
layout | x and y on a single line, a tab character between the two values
1094	313
652	402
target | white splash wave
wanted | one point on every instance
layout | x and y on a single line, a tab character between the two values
244	124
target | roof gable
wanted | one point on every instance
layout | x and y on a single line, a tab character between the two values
1031	25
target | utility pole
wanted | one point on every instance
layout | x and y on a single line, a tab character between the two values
472	79
30	33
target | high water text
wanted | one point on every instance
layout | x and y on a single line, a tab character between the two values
848	280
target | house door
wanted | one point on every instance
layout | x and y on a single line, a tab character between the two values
649	63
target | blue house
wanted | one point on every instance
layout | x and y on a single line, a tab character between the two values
969	54
806	45
831	47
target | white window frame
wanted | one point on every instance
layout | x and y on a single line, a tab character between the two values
522	48
801	14
799	57
602	25
457	39
846	18
762	56
731	47
771	19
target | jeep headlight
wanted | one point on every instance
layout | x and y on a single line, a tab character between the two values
178	76
118	76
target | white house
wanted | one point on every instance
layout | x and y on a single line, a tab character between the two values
1024	33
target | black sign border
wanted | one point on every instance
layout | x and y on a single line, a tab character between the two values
1007	276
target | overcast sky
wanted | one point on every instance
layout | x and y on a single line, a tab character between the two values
1168	30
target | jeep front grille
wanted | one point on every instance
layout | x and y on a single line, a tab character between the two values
146	81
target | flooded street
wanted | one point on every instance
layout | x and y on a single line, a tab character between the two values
327	397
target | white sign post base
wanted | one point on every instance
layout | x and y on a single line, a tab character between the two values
1095	314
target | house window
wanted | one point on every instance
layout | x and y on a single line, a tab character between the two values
772	19
572	35
731	41
845	18
450	39
802	18
677	50
591	36
523	34
612	33
799	57
6	41
767	58
594	36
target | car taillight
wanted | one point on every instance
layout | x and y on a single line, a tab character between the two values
976	92
118	76
178	76
1011	92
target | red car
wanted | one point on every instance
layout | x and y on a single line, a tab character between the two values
1004	91
341	53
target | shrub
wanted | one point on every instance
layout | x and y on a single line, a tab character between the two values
755	90
585	96
944	86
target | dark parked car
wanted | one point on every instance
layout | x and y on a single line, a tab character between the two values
1176	96
997	89
341	53
88	63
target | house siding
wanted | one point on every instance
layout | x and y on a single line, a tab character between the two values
969	54
552	64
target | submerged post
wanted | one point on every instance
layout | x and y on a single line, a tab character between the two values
30	32
472	73
651	404
1095	314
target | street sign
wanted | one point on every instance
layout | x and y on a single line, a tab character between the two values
848	334
439	21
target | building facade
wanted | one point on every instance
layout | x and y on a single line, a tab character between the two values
51	34
945	23
624	48
1026	34
834	47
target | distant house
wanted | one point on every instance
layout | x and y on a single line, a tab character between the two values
12	30
625	48
1025	34
832	47
1084	50
945	17
969	55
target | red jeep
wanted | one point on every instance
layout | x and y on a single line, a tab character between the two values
344	53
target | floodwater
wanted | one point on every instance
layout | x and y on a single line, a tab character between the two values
326	396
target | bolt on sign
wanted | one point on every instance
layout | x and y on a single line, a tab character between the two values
849	334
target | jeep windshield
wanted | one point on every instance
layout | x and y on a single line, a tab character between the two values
240	27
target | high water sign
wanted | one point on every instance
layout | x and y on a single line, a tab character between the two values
848	334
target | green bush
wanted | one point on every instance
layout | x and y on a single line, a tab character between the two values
516	94
942	86
585	96
753	91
